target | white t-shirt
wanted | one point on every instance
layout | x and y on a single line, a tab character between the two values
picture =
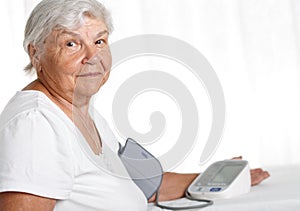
43	153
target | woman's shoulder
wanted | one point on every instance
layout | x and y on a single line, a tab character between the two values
29	120
26	104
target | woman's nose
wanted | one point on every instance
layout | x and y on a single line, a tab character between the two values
90	53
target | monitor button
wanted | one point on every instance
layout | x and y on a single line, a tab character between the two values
215	189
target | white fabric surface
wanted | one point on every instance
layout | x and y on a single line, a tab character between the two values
280	192
43	153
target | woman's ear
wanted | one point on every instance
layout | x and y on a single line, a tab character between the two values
34	57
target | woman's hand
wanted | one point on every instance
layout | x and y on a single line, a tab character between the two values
258	175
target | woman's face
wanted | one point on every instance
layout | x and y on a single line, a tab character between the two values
76	62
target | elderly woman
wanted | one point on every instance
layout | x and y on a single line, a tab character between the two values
57	153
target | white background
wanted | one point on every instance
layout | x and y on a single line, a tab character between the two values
253	45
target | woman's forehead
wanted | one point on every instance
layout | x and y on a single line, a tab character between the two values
95	26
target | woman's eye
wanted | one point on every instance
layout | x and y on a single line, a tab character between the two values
71	44
100	42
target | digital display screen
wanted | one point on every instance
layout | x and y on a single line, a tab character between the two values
227	174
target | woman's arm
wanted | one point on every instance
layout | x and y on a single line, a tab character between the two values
174	185
11	201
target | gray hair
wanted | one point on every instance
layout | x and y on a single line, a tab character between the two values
66	14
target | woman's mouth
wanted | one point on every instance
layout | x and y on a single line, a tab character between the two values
89	74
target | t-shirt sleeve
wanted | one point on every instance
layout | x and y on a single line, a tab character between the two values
35	156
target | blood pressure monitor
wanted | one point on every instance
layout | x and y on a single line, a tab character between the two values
222	179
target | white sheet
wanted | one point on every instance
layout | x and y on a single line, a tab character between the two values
280	192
